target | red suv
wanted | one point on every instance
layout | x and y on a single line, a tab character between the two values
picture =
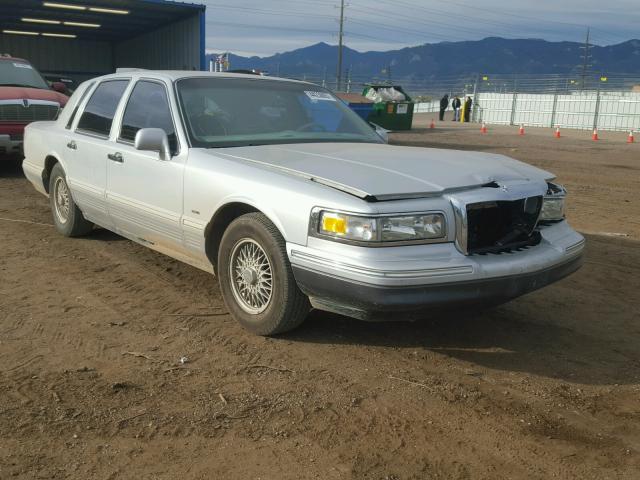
24	97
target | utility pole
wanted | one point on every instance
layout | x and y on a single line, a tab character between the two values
340	42
586	57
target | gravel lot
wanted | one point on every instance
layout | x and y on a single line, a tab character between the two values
548	386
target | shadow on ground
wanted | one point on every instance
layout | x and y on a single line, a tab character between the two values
499	339
11	166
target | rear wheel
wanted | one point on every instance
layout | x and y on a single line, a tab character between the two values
256	278
67	217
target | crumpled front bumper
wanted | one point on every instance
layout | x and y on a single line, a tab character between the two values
416	281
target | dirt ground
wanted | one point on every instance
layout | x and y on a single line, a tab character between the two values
547	386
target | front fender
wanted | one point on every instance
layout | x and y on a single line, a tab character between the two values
268	211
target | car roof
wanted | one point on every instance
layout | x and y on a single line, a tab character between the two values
173	75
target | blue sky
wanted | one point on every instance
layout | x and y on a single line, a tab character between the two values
264	27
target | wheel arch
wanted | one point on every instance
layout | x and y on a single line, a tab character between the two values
49	162
222	218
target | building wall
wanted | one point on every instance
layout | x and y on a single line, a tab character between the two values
175	46
60	55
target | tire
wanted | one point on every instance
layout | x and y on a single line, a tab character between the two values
67	217
253	247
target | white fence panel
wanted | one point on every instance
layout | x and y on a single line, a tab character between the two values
619	111
493	108
427	107
534	110
576	110
614	110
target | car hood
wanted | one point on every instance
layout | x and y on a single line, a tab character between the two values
378	172
26	93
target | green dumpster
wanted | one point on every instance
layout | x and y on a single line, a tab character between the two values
392	108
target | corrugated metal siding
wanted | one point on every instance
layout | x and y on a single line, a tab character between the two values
59	54
176	46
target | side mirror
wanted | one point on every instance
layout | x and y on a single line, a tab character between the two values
383	133
59	87
153	140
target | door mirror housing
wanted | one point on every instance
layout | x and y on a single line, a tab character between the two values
153	140
383	133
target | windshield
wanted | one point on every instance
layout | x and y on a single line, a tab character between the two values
229	112
19	74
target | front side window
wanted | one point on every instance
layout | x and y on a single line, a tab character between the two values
227	112
148	107
101	107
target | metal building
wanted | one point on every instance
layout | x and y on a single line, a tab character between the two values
87	38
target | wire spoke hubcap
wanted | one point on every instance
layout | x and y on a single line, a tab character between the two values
61	200
251	276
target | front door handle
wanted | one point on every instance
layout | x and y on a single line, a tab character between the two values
72	145
116	157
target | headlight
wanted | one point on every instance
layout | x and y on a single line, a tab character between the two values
385	229
553	204
348	227
412	227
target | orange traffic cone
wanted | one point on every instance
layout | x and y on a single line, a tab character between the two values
483	128
557	134
594	136
521	130
630	138
433	123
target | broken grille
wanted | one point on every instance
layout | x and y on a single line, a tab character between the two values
502	226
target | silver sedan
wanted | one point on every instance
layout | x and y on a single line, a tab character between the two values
294	202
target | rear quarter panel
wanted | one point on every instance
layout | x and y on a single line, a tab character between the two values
40	141
47	139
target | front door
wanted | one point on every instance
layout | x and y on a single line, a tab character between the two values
87	149
145	193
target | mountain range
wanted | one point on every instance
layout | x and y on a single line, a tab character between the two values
437	60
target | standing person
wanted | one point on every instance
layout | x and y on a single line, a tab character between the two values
456	104
466	112
444	104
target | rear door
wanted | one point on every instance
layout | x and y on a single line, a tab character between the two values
145	193
88	147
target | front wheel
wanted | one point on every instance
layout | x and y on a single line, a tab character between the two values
67	217
256	278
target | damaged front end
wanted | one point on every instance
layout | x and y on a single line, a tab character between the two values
501	218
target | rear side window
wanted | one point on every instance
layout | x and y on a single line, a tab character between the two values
101	107
148	107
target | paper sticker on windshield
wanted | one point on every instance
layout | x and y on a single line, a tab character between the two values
23	65
402	108
320	96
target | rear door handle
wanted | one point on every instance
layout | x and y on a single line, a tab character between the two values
116	157
72	145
